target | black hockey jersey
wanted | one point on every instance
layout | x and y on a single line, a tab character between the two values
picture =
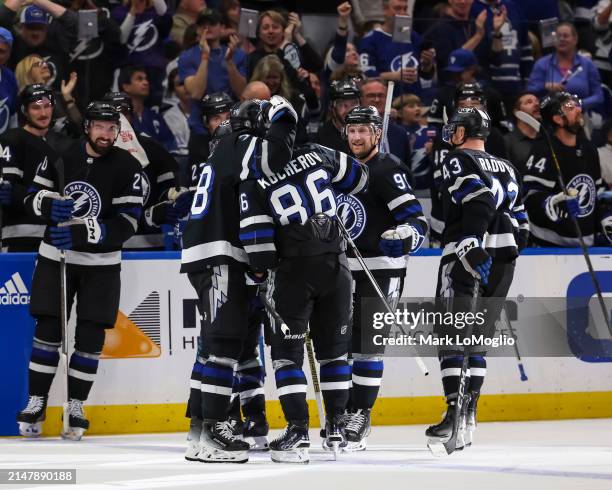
157	179
276	210
108	188
581	171
482	197
387	202
21	154
211	234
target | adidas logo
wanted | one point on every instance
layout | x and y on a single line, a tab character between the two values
14	292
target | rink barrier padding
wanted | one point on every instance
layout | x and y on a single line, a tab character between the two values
143	376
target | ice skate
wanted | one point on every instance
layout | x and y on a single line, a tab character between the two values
30	419
219	444
77	423
335	435
255	432
292	445
357	428
440	439
193	439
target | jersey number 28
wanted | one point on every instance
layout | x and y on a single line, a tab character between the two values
201	200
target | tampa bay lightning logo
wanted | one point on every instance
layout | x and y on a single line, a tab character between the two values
87	202
87	49
5	115
406	60
146	189
587	193
352	213
143	37
52	70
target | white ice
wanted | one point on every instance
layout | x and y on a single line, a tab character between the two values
518	456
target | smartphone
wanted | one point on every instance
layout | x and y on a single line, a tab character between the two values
548	32
87	24
248	23
402	29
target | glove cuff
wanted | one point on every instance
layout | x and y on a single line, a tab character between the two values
42	202
466	244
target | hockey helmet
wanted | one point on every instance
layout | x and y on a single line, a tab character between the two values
222	130
34	93
100	111
121	100
344	89
552	105
363	115
250	115
476	122
216	103
470	90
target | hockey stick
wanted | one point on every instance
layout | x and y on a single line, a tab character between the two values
379	292
61	179
384	140
535	124
446	448
309	350
506	321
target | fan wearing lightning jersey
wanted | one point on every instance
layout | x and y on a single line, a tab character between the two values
292	215
216	264
551	208
486	226
102	186
159	183
23	150
386	223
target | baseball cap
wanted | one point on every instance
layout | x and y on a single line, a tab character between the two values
6	36
460	60
33	15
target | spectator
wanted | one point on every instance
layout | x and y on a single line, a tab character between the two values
34	34
255	90
94	59
406	63
605	155
8	84
567	71
274	33
343	96
457	30
230	19
67	117
134	82
144	25
522	137
342	52
176	117
210	67
603	40
374	93
539	10
186	14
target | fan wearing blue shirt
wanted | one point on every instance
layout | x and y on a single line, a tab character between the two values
8	83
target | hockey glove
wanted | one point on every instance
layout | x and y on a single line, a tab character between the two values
474	258
562	205
77	233
163	213
52	206
399	241
6	192
279	107
182	201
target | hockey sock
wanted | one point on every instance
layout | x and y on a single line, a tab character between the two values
291	388
194	406
217	381
43	365
367	376
335	380
450	369
251	385
478	371
82	371
234	407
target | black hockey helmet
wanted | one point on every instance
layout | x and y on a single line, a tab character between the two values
121	100
363	115
476	122
249	116
344	89
552	105
470	90
216	103
222	130
100	111
34	93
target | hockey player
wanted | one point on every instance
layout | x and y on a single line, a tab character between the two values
552	210
486	225
100	211
162	203
293	212
216	265
22	151
386	223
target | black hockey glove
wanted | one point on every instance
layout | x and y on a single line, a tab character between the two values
474	258
52	206
77	233
164	213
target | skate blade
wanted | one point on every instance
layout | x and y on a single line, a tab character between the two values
31	431
259	443
192	452
212	455
353	447
438	446
73	434
295	456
